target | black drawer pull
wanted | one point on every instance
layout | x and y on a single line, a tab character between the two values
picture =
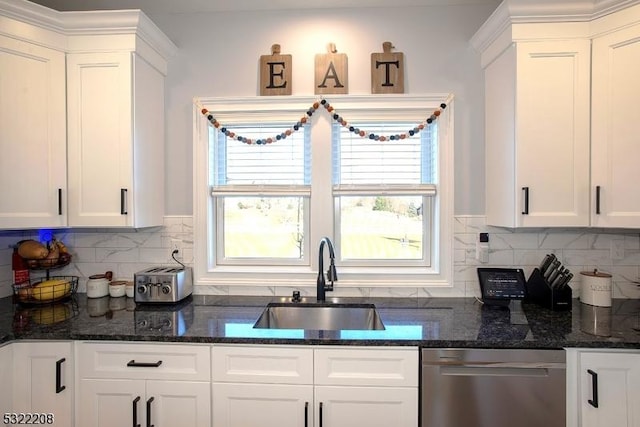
133	364
59	386
597	200
526	201
123	201
135	412
59	201
594	388
320	414
149	412
306	414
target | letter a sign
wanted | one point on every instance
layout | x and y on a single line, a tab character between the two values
331	72
387	71
275	73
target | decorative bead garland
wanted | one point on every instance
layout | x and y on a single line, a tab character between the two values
334	115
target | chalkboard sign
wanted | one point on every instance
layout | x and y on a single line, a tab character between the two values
502	283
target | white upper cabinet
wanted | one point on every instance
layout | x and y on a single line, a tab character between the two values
33	164
116	140
83	142
537	135
562	117
615	127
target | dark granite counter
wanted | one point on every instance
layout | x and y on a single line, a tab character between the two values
434	322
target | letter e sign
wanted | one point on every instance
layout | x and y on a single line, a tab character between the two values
331	72
387	71
275	73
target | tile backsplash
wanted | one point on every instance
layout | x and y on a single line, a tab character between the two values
125	251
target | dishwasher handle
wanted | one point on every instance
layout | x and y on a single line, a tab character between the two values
493	371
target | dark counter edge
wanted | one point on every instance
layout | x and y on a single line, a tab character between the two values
549	345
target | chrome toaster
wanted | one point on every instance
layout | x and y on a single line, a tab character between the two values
163	284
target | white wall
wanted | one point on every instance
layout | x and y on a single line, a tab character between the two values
219	53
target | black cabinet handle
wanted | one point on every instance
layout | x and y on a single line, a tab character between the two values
133	364
135	412
320	415
59	201
59	386
594	388
306	414
149	412
123	201
526	201
597	200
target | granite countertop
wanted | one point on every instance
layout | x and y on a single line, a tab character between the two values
428	322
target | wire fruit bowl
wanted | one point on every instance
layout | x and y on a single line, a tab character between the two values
46	264
45	291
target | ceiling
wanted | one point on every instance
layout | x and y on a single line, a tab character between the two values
151	7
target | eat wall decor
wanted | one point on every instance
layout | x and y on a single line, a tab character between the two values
331	72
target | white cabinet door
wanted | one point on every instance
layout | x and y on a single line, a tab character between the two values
615	145
366	406
109	403
6	379
552	133
100	138
33	164
116	140
262	405
179	403
43	383
537	135
609	389
119	402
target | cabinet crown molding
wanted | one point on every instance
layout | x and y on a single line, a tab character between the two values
53	29
510	13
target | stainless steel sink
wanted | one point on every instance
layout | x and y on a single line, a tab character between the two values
332	317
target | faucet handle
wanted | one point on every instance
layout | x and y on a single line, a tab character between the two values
332	274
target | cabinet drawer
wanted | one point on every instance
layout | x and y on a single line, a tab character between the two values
366	366
262	364
144	361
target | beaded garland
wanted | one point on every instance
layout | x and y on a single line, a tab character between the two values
334	115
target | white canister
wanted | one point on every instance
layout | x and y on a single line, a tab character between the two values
595	288
117	288
97	287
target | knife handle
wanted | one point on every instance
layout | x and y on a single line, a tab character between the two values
526	201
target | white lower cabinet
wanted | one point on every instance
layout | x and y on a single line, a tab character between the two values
262	386
43	381
262	405
605	386
163	385
366	406
6	379
105	403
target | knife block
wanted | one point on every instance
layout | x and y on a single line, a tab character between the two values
540	292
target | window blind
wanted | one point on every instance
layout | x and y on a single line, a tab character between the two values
285	162
364	162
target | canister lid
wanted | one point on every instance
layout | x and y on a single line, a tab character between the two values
595	273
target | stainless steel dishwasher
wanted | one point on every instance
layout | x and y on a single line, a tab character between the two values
493	388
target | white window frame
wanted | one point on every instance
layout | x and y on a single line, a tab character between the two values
291	109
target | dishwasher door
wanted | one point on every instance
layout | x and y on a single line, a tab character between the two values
493	388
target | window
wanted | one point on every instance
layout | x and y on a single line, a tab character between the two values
261	208
383	194
260	195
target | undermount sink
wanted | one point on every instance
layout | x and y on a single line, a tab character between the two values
334	317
